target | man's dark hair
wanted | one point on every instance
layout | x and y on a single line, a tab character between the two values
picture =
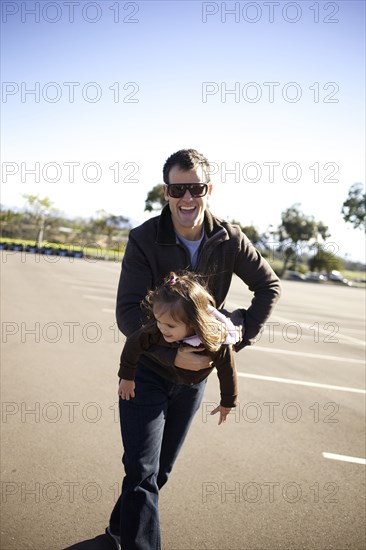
186	159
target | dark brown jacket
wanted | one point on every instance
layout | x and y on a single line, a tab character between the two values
153	250
149	335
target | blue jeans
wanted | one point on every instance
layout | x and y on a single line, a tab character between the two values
154	425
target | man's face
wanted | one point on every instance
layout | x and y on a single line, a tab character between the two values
187	212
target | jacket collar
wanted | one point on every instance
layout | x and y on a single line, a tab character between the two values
166	232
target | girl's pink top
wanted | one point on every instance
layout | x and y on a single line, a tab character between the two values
233	332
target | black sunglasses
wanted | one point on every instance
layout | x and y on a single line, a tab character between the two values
178	190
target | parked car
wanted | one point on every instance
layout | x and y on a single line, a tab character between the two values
295	275
314	277
336	277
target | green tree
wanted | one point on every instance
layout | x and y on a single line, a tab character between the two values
325	261
110	225
297	230
155	198
249	230
10	223
40	211
354	207
83	230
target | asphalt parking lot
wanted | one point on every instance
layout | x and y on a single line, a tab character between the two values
287	470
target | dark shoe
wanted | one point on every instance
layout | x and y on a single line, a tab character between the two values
101	542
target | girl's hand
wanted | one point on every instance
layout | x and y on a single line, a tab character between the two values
224	411
126	389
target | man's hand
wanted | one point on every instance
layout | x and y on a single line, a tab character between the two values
187	358
126	389
224	411
236	317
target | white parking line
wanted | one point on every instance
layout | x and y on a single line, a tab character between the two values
311	355
345	458
99	298
321	331
341	336
94	289
359	331
81	284
101	267
300	382
304	326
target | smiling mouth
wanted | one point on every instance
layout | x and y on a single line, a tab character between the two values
187	208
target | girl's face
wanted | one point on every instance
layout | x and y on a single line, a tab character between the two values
171	329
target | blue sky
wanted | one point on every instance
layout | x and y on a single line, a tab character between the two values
166	59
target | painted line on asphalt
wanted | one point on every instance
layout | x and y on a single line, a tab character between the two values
116	269
99	298
310	355
300	382
322	331
94	289
359	331
345	458
304	326
80	284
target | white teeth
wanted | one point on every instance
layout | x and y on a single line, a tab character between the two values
187	207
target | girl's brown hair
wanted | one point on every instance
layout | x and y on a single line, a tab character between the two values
187	300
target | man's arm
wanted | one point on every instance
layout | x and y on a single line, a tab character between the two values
258	275
134	282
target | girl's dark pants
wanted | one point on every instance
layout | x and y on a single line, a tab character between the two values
154	425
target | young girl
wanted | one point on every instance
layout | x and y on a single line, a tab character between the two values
182	313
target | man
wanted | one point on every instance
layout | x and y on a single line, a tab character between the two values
155	422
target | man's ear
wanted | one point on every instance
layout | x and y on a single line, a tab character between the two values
210	186
165	190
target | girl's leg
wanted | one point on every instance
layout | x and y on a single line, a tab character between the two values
182	406
136	515
154	426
